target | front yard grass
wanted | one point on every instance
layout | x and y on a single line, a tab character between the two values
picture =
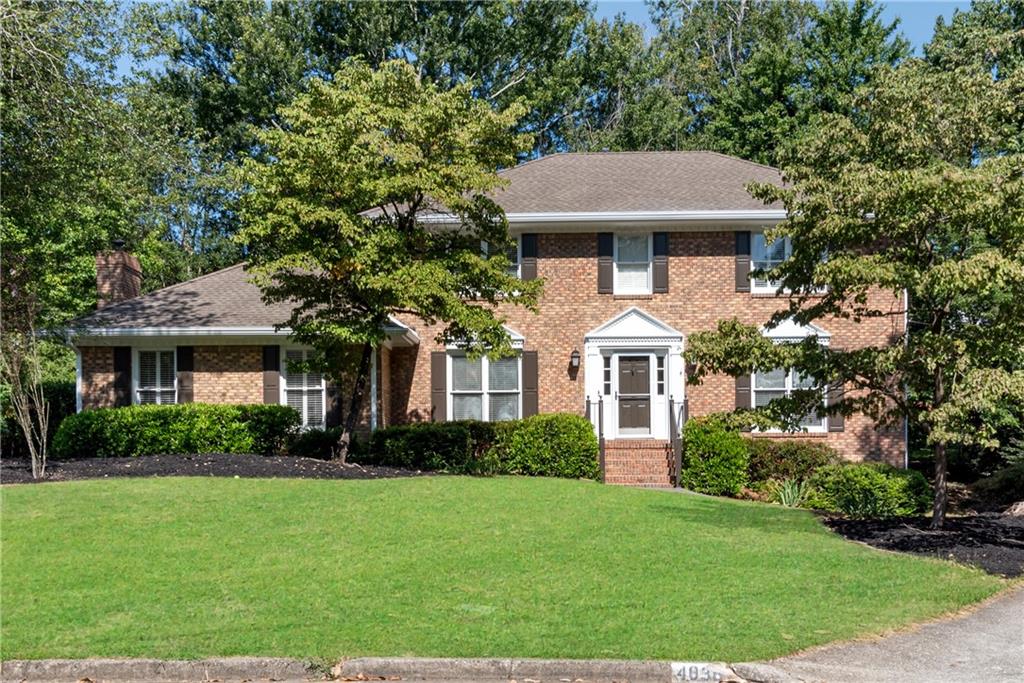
438	566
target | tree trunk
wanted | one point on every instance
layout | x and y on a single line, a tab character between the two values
941	494
355	405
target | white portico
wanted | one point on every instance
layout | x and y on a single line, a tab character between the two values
634	367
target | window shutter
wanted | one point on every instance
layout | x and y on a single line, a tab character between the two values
122	375
438	386
531	383
271	374
528	263
605	269
186	364
743	395
660	266
743	261
836	423
332	411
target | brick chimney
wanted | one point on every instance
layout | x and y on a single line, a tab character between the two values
118	275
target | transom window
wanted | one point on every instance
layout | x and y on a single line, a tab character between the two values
766	255
632	264
780	383
303	391
157	378
484	388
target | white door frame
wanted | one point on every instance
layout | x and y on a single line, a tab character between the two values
634	333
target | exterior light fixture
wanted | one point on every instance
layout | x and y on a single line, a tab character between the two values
574	359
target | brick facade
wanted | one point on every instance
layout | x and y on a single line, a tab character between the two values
228	374
701	292
97	377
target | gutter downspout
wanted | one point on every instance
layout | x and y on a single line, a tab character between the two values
78	380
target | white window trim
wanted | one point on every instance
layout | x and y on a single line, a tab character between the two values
616	288
820	428
484	249
137	364
768	287
283	400
484	392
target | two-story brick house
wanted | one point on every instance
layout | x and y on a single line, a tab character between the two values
636	250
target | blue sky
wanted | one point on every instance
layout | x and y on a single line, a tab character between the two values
917	17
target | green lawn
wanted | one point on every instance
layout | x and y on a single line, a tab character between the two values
444	566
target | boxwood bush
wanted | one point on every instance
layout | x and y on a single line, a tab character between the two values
715	457
782	459
185	428
554	445
869	490
461	447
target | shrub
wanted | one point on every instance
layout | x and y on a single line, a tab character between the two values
315	443
778	459
60	396
869	490
554	445
1001	489
715	458
185	428
461	447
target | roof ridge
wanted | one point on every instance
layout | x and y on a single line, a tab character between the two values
746	161
637	151
113	307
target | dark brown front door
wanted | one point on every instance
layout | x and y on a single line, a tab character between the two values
635	393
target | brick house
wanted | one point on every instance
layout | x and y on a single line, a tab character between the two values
636	250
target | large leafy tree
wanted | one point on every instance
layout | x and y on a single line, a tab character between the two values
334	214
914	192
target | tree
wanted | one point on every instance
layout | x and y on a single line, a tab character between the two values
333	216
915	192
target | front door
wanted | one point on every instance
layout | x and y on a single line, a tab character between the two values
634	395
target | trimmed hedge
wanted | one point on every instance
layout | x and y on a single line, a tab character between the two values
866	490
715	458
779	460
556	445
461	447
185	428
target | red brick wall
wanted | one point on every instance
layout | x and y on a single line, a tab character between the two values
228	374
97	377
701	292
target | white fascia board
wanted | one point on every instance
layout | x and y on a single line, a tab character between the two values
177	332
628	216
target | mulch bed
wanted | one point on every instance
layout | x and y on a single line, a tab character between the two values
212	465
992	542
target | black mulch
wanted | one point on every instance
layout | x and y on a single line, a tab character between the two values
992	542
213	465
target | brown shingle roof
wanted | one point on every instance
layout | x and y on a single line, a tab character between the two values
224	298
580	182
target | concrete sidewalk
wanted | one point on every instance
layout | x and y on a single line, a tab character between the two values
987	644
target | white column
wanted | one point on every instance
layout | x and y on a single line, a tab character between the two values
373	390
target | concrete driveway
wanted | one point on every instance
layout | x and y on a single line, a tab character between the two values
986	644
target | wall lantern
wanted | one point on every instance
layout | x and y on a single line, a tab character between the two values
574	359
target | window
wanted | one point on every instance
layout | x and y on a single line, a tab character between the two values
778	383
303	391
766	255
157	377
484	389
513	255
661	375
632	264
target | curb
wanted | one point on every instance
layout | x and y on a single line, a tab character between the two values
388	668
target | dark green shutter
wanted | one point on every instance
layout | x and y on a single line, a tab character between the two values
271	374
605	254
122	375
438	386
528	263
185	363
660	265
743	261
531	384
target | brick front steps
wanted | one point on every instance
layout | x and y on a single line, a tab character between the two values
638	462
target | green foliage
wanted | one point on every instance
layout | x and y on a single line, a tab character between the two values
387	141
171	429
553	445
59	395
782	459
790	493
462	447
315	443
715	458
869	490
1003	488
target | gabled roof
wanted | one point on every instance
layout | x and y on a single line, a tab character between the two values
594	182
224	298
